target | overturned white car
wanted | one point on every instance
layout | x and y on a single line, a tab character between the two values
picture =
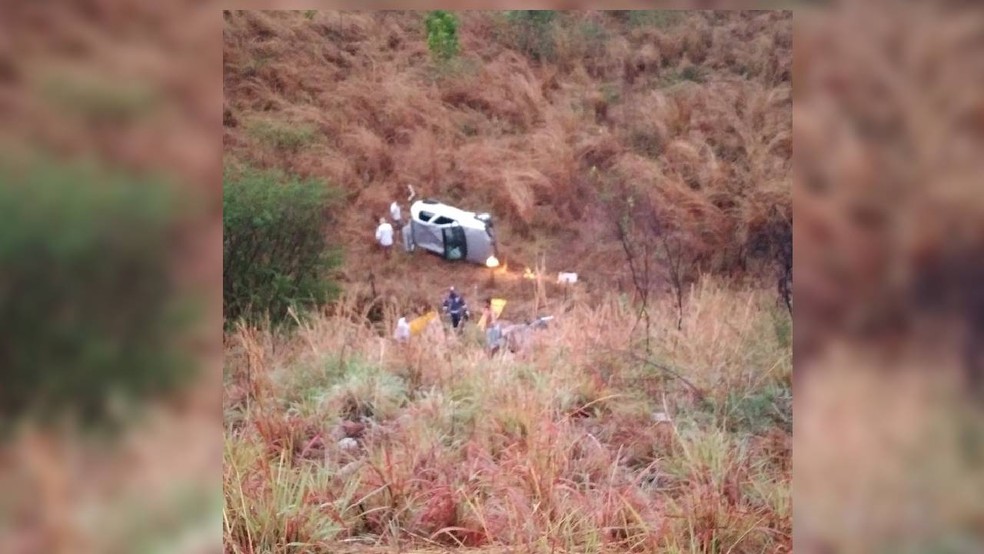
450	232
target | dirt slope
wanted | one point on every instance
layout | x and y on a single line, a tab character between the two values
693	109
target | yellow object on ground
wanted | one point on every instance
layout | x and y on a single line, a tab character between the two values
418	325
498	304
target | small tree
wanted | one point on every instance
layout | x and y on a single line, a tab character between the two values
657	250
442	34
275	254
771	242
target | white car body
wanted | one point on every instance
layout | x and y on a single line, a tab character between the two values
450	232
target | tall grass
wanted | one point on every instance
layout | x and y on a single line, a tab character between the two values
559	446
281	135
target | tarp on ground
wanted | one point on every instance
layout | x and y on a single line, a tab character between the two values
418	325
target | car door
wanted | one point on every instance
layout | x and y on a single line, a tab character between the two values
455	246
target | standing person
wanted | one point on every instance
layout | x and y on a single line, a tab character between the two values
488	314
396	216
493	331
384	235
402	333
454	305
493	339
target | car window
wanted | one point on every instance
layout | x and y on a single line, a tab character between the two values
441	220
426	216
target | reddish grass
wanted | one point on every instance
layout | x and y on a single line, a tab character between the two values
552	447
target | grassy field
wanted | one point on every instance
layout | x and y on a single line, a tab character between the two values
594	437
579	443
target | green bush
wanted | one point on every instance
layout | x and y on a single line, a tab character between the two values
442	34
88	312
275	255
762	410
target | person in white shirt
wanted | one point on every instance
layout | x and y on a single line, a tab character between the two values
384	235
402	333
397	217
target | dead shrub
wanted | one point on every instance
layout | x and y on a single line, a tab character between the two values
598	151
370	155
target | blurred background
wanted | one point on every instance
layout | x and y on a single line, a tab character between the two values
110	277
888	126
110	315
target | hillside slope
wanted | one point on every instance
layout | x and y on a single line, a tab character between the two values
536	121
654	423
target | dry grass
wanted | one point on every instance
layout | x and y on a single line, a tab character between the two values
894	197
696	107
152	487
555	447
905	471
888	241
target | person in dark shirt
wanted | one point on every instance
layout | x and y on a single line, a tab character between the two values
454	306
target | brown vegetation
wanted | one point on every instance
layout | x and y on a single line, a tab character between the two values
691	110
337	436
577	439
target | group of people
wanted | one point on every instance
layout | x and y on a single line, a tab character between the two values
386	231
456	309
453	306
